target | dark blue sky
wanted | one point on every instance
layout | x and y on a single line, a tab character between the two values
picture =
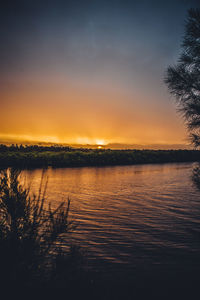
86	70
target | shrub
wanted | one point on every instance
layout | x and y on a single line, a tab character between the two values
31	233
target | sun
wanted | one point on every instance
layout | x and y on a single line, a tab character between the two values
100	143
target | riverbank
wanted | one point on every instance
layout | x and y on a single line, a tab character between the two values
37	156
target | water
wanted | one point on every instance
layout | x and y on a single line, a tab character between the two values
130	217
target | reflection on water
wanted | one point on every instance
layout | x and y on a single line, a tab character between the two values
131	216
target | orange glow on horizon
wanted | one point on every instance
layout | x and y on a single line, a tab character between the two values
100	143
81	115
53	139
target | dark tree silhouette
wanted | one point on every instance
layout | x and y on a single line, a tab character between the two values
183	79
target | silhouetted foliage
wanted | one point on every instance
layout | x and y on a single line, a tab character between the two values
32	148
31	233
183	79
90	157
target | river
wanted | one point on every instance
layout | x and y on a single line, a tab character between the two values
130	217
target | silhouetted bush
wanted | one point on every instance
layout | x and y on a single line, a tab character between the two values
31	234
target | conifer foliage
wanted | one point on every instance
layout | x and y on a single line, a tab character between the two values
183	79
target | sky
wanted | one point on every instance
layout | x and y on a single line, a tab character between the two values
90	71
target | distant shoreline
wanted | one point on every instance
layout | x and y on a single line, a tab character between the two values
112	146
42	157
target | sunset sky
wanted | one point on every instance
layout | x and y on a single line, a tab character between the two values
90	71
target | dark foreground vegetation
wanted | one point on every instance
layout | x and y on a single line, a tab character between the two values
32	236
37	156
